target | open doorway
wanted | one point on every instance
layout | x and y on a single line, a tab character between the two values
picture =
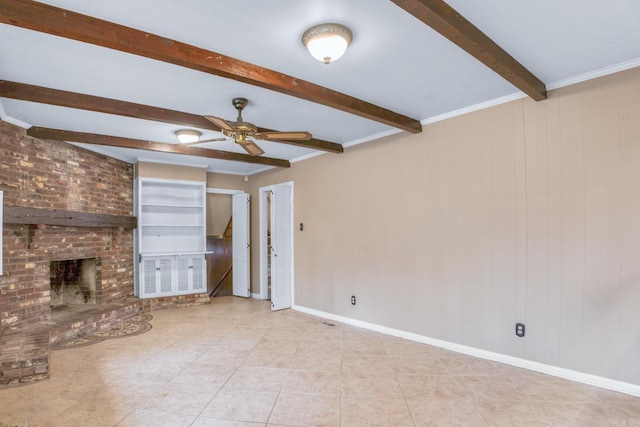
227	242
276	244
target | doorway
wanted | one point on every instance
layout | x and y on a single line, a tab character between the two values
276	244
227	242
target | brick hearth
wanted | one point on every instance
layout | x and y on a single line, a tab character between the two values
51	175
25	351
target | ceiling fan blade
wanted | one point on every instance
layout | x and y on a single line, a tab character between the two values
293	135
252	148
221	123
204	140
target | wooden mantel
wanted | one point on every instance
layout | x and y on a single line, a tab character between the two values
33	216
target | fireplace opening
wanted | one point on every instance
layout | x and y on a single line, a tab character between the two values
73	282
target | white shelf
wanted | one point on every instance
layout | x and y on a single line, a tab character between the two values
172	223
157	254
164	205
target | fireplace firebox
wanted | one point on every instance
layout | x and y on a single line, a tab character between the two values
73	282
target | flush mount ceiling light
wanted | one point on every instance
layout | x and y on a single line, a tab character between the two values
327	42
186	136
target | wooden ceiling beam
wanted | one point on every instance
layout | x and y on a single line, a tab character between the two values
445	20
25	92
115	141
65	23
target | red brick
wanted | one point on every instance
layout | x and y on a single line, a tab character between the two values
56	175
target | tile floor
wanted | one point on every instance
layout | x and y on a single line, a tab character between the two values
235	363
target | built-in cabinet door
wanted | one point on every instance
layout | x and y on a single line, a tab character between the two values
190	273
183	274
149	277
165	275
198	271
172	275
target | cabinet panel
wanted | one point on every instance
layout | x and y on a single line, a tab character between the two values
149	279
172	275
199	274
182	273
165	273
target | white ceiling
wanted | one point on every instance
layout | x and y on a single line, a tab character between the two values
395	61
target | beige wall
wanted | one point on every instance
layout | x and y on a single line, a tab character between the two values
219	207
221	180
219	211
524	212
159	170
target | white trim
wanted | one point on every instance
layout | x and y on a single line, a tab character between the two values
307	156
256	296
606	383
259	170
171	180
293	242
213	190
616	68
472	108
262	231
372	137
101	150
7	118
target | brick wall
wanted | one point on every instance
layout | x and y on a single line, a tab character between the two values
58	175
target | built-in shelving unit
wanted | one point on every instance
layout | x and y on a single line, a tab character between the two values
171	237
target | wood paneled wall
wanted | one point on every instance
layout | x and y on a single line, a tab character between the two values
524	212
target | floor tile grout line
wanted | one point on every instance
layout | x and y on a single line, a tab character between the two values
468	397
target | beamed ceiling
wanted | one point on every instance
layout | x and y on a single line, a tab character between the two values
121	77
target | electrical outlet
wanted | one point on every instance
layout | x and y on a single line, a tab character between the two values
520	329
353	300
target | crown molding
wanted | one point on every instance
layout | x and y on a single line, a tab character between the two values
7	118
612	69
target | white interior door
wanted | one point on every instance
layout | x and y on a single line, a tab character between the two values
282	246
240	244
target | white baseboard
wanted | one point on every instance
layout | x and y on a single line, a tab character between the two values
255	296
556	371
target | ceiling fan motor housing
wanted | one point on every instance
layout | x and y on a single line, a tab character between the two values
242	129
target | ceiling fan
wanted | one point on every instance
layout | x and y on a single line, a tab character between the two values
240	131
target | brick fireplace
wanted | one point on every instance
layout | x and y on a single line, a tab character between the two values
53	176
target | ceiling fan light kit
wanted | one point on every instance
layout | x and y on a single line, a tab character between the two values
188	136
327	42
